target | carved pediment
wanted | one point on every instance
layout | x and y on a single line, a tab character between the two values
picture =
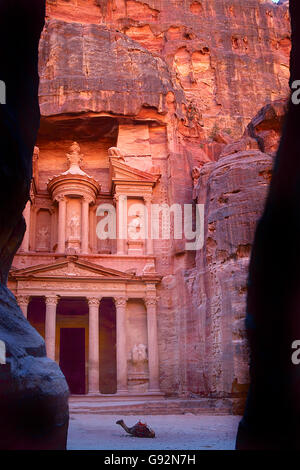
69	269
122	171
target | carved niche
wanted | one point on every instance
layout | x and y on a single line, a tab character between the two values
43	230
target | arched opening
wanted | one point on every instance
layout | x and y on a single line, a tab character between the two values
107	347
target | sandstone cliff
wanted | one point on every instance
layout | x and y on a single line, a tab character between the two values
230	57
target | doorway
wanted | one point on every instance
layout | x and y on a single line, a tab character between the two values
72	358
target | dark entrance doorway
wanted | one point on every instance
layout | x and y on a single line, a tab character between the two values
72	358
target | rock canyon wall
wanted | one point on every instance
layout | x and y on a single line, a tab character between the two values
174	84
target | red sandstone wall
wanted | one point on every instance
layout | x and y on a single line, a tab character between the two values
229	56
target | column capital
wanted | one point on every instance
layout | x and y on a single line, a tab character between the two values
120	197
23	299
60	198
121	301
87	199
148	198
150	301
52	300
93	301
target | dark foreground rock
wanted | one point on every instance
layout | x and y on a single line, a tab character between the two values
271	418
33	391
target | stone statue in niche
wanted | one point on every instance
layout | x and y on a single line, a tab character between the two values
74	226
139	354
136	228
43	238
137	368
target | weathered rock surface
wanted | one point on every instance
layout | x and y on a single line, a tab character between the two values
88	68
233	191
234	199
34	394
230	57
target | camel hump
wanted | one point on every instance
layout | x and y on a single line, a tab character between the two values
142	430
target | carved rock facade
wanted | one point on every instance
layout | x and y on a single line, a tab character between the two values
157	95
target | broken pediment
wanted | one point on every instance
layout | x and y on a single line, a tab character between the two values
121	171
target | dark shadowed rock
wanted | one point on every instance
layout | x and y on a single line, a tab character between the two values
271	418
266	126
33	391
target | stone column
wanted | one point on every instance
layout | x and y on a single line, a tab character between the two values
122	387
85	226
26	215
50	325
62	205
153	359
93	374
121	216
148	231
23	301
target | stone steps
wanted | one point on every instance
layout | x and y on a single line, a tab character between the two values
96	405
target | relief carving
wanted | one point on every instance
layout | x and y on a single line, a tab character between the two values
74	226
43	238
139	354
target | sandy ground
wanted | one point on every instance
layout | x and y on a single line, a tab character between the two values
173	432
